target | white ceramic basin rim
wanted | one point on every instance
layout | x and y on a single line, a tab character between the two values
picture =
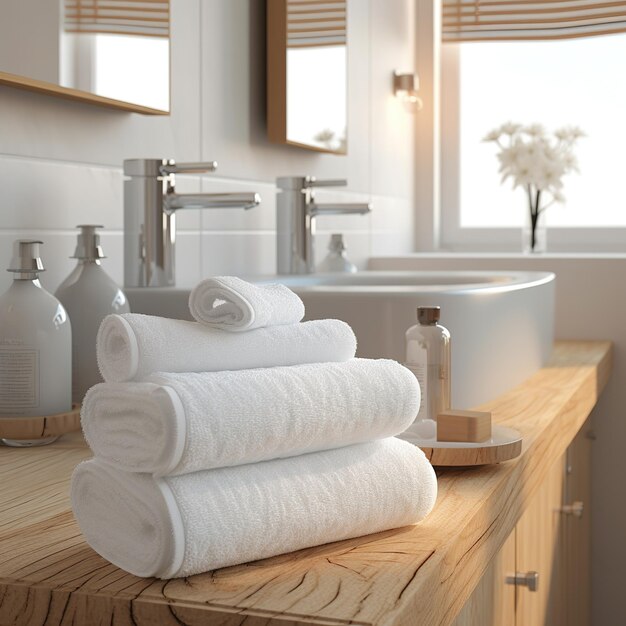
413	281
502	323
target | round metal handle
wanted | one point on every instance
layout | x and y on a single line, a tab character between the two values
524	579
576	509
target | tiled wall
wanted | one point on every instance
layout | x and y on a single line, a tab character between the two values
60	161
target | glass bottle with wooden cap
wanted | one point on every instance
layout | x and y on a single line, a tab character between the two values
428	357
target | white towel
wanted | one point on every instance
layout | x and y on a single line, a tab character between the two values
133	346
184	525
181	423
229	303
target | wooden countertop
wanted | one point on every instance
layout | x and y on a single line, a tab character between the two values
421	574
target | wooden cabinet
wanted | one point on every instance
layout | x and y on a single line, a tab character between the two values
551	538
493	603
577	530
540	547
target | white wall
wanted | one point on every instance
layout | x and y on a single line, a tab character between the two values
60	162
30	33
590	304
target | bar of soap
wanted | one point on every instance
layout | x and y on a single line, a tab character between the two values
466	426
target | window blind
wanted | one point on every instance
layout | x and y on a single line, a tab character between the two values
149	18
313	23
499	20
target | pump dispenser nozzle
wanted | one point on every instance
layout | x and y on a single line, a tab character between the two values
26	260
88	243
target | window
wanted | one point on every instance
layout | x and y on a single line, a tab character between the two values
555	83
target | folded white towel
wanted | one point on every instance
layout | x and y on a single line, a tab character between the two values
184	525
229	303
181	423
132	346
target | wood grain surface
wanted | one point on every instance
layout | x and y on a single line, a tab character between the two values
466	457
421	574
41	426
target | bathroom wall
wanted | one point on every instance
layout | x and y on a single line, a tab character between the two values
60	161
590	304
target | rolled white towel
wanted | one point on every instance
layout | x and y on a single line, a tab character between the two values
184	525
181	423
133	346
229	303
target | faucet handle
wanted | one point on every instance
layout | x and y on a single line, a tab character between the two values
336	182
188	168
153	168
300	183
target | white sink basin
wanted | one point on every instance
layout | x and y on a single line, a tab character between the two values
502	323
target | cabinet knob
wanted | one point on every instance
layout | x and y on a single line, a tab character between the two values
524	579
576	509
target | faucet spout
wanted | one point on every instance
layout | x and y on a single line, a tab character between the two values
150	205
174	201
296	213
338	209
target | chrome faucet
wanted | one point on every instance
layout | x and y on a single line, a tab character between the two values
150	205
296	211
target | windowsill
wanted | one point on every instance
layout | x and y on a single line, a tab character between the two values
504	255
505	261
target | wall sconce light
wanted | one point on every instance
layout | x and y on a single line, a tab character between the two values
405	88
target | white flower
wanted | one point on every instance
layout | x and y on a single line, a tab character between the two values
548	178
535	130
536	161
510	128
570	162
493	135
569	133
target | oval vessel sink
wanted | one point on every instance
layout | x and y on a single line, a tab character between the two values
502	323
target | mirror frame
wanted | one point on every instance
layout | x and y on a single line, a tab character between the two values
277	79
40	86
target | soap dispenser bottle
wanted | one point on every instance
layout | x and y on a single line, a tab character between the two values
89	294
35	345
336	260
428	357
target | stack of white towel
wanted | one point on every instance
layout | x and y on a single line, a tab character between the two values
246	434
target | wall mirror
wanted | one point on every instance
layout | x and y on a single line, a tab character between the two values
307	74
110	52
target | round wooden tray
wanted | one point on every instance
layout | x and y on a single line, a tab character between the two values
40	426
505	444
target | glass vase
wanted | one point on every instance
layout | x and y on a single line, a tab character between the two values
534	233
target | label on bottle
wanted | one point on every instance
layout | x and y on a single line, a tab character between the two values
19	379
419	367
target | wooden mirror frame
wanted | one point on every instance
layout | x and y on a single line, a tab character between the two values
79	18
51	89
277	79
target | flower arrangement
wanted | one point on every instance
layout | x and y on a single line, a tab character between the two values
536	162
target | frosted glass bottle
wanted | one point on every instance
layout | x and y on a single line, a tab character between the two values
428	357
35	345
89	294
336	260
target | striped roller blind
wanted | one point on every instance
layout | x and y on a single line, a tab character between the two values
312	23
149	18
498	20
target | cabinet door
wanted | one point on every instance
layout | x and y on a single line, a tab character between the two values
540	543
493	601
577	522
